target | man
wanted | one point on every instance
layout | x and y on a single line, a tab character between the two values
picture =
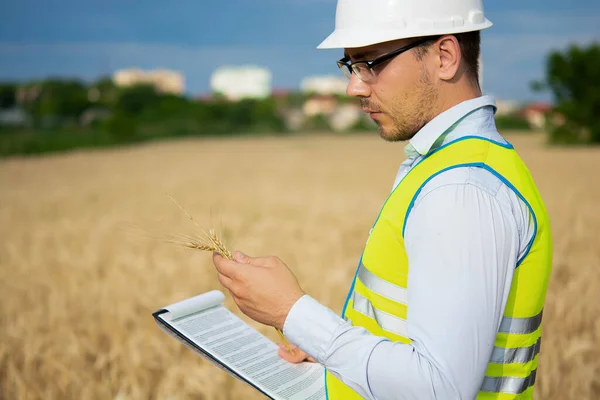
447	300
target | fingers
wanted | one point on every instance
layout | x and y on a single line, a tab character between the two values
225	281
298	356
242	258
224	266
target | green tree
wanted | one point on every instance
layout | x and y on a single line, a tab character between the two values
121	127
266	115
573	78
135	100
104	92
8	95
129	106
58	99
512	121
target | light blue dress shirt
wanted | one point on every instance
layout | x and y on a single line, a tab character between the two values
464	237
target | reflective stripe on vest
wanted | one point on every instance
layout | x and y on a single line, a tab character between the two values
520	355
386	321
382	287
520	325
399	294
391	323
508	384
378	299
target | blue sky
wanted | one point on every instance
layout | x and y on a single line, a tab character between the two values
87	38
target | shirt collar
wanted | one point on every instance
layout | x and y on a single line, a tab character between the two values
435	130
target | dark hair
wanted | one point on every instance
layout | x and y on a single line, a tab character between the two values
470	48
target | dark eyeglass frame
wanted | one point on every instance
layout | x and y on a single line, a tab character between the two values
370	64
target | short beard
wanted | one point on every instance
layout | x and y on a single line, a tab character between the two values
411	111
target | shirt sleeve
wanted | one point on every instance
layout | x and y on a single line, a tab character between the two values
462	246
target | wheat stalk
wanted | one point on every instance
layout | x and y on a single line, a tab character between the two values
210	241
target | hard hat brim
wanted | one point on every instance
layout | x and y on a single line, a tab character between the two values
353	38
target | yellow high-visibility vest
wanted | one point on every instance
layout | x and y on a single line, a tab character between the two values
378	297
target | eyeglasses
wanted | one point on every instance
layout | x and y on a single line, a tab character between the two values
364	69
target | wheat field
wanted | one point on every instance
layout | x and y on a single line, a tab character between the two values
83	263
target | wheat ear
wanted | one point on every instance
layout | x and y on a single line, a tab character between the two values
211	242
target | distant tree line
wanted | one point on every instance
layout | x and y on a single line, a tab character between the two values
66	113
59	114
573	79
57	102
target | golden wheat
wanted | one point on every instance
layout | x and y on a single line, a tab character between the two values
78	292
211	242
208	241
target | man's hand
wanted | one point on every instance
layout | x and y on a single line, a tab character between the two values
263	287
298	356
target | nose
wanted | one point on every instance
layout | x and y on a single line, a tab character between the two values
357	88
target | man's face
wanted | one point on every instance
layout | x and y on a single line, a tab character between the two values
401	96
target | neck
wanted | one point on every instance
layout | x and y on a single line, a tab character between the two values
452	94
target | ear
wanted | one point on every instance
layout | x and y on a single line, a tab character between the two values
449	57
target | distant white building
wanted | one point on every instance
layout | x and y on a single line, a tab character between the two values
240	82
165	81
324	84
507	107
345	117
320	104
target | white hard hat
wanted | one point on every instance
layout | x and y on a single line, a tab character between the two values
361	23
